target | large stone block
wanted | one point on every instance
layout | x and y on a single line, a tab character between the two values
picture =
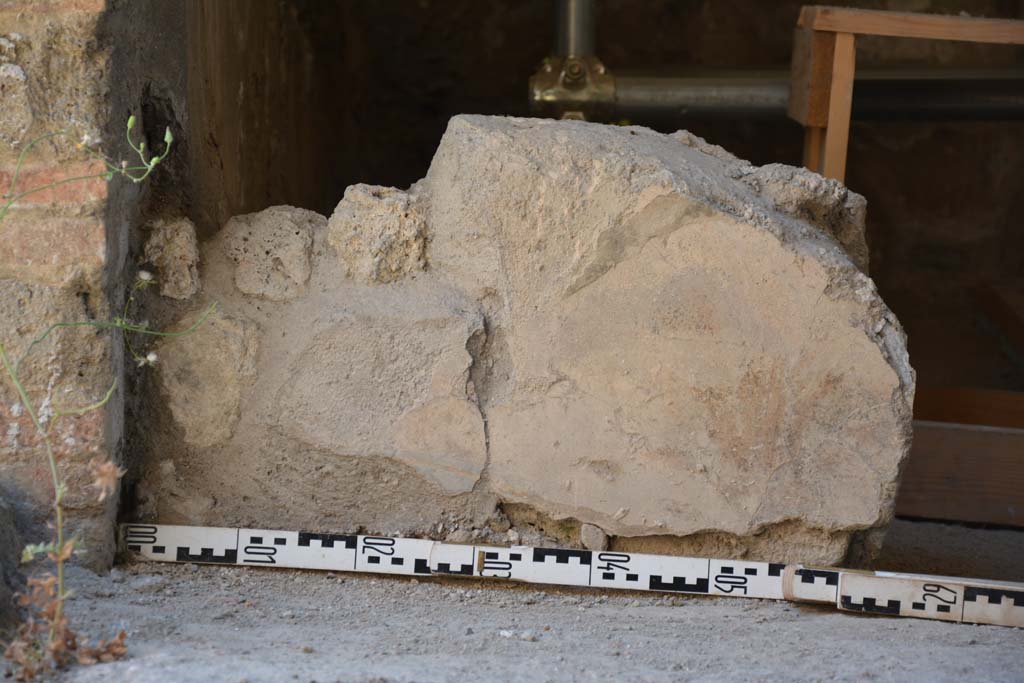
310	398
689	347
591	324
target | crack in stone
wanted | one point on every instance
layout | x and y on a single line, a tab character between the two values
477	389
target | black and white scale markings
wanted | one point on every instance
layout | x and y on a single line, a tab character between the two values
907	595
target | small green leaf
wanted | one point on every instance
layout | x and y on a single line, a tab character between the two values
168	138
131	121
30	551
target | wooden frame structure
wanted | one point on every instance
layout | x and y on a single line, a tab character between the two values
824	62
967	460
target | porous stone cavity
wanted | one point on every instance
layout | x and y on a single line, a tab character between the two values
379	233
271	251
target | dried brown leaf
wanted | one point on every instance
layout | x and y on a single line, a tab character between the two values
105	476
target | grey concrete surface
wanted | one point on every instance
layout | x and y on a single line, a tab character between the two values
187	623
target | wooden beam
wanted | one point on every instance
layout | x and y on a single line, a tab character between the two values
970	406
811	77
840	104
912	25
964	473
813	140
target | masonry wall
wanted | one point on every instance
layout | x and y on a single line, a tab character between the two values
55	264
234	82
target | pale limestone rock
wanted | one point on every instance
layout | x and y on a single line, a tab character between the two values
824	202
391	380
360	410
172	248
379	233
204	374
593	538
618	331
271	251
679	353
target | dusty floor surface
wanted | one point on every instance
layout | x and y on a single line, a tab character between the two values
190	623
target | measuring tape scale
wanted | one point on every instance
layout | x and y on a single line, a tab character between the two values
886	593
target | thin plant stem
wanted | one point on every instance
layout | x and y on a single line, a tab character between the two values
147	167
59	412
24	152
115	324
10	202
58	489
60	551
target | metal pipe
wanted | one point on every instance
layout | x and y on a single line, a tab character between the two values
575	36
701	96
904	94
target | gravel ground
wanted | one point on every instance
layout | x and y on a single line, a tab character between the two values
191	623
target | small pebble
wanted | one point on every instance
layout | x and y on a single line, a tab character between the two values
147	584
593	538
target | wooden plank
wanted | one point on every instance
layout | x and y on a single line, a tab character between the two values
964	473
912	25
811	77
970	406
813	139
840	104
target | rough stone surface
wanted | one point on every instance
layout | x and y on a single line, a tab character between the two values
16	118
204	375
53	266
10	549
617	328
173	250
379	233
823	202
679	355
68	369
593	538
271	251
356	400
